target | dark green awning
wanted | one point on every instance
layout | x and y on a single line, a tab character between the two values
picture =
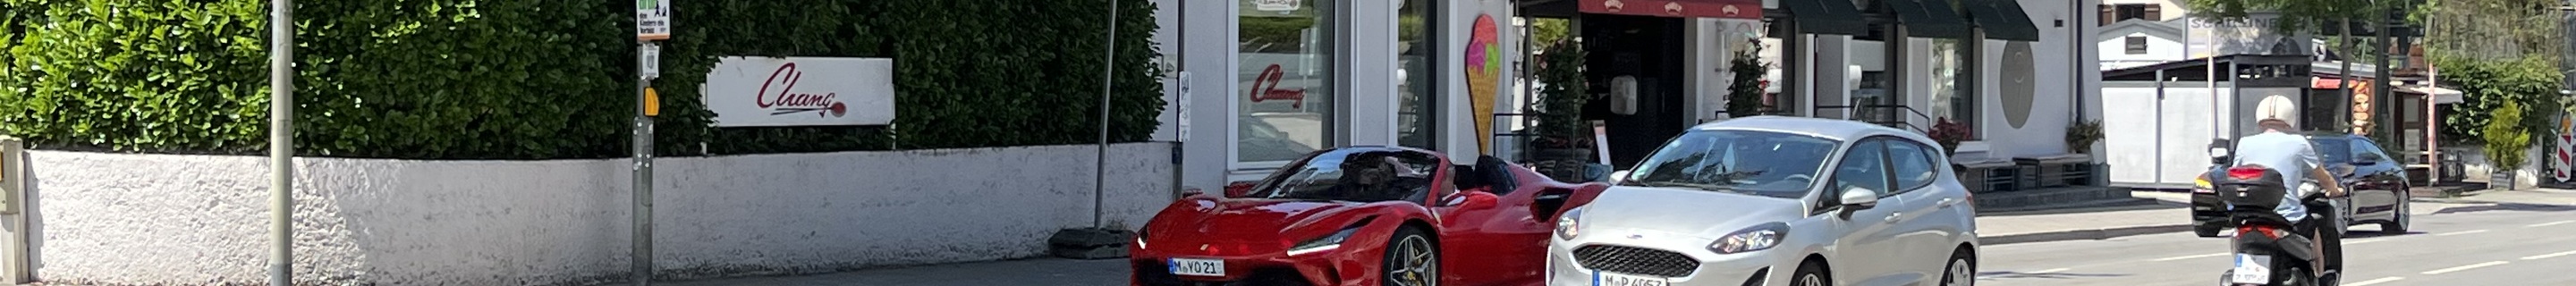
1837	17
2002	19
1928	18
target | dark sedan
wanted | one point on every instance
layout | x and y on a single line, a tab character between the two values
2378	186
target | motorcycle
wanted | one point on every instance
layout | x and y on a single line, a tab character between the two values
2267	248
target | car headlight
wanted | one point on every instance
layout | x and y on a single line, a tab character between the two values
1752	239
1569	224
1326	243
1140	238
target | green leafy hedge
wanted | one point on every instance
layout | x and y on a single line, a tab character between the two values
2489	85
458	79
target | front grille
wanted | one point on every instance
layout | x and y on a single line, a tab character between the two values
1635	260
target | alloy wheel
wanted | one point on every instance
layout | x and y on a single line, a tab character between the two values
1420	265
1960	274
1810	280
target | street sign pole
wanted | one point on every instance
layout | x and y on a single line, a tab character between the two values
652	23
281	142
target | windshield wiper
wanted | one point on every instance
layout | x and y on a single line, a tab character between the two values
1707	187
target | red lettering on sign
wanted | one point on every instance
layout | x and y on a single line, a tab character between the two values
1266	87
788	100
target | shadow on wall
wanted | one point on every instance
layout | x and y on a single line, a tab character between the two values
180	219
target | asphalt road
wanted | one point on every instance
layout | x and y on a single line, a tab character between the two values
2507	244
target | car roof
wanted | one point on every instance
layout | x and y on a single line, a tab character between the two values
1836	129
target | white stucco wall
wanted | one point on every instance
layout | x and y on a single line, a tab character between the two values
196	220
2115	51
2155	142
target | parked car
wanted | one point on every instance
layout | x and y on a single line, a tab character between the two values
1771	200
2378	185
1361	216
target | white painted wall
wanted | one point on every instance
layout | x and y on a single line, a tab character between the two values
2156	142
195	220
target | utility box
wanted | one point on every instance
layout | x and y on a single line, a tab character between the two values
13	170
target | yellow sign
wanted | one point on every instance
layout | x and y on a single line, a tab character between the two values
652	102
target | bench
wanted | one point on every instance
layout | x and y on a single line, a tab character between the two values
2056	170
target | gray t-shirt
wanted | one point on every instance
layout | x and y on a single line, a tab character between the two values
2287	153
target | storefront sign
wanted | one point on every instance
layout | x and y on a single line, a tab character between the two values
1265	87
1484	76
2253	36
652	19
1737	9
761	91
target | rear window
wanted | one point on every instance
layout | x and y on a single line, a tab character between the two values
2332	150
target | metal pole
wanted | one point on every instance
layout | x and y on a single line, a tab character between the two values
1108	75
281	142
640	258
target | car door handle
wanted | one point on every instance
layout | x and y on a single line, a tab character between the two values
1947	202
1892	216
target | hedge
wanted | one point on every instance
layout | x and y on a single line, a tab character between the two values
455	79
2487	85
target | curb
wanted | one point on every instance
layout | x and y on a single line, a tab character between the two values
2082	234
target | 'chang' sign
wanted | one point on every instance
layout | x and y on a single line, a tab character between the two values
756	91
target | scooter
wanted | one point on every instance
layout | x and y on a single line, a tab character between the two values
2267	249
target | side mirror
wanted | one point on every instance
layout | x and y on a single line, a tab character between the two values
1617	176
1467	199
2366	160
1238	189
1860	198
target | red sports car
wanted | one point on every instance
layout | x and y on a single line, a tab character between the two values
1362	216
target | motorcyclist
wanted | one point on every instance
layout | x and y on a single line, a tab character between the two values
2281	149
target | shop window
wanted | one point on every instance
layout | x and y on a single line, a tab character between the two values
1284	89
1416	112
1875	54
1952	83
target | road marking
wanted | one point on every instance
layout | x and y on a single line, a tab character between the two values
2547	256
2464	268
2191	256
2376	281
2366	241
2551	223
2046	271
2460	233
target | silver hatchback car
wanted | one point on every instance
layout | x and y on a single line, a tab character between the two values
1776	201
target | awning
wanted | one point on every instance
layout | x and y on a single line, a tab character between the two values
1928	18
1736	9
2002	19
1837	17
2440	95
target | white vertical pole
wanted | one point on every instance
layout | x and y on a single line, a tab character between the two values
281	142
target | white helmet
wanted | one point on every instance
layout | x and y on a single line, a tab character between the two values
2277	107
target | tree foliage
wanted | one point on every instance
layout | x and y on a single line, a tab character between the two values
2490	87
1744	94
463	79
2506	139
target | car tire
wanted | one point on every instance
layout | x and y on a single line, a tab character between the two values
1811	273
1412	259
1961	270
2397	224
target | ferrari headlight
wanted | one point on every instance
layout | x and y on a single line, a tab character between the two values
1569	224
1751	239
1326	243
1140	238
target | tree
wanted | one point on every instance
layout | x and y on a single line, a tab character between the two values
1744	96
2507	138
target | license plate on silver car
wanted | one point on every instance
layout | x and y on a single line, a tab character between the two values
1614	279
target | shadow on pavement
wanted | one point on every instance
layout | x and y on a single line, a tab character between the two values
2054	275
2507	207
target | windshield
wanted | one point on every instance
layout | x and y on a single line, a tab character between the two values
1356	175
1763	163
2332	150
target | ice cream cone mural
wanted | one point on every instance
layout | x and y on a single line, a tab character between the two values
1484	68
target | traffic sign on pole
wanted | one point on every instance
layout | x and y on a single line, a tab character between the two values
652	20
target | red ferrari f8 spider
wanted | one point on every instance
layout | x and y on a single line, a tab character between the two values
1362	216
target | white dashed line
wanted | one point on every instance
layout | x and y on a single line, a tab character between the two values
2547	256
2551	223
2464	268
2046	271
2191	256
2365	241
2460	233
2376	281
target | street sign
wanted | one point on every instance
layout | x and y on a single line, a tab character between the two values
651	54
652	20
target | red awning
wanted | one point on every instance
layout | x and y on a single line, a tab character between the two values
1736	9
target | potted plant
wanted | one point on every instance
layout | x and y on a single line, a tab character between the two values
1744	96
1949	134
2081	136
2506	139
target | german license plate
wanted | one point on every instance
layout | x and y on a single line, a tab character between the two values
1614	279
2254	269
1197	267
